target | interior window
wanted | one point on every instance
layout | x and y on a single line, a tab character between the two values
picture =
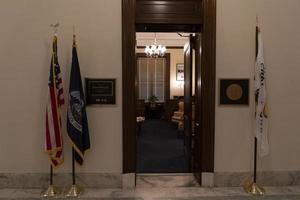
151	81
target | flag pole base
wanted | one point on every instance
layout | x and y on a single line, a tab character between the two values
51	192
74	191
254	189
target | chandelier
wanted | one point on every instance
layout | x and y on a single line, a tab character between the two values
154	50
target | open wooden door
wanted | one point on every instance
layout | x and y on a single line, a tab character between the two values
188	82
198	114
192	104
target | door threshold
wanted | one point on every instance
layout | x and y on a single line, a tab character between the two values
164	174
168	180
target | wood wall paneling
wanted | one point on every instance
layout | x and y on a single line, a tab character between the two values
183	28
169	12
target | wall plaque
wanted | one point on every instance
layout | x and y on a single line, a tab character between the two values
100	91
234	91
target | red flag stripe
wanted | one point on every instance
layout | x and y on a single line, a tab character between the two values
55	117
51	127
48	140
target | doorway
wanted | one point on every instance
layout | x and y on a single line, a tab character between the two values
160	104
194	16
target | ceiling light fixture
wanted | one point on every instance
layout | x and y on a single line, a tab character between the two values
154	50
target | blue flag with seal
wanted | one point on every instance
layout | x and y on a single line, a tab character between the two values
77	123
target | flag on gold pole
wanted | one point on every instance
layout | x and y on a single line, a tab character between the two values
261	107
77	122
261	115
53	135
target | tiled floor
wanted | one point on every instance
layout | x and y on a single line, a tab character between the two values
273	193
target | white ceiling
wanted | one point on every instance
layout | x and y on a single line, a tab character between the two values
167	39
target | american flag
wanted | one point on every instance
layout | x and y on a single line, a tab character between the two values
54	140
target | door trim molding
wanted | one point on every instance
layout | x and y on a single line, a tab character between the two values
208	82
128	87
208	85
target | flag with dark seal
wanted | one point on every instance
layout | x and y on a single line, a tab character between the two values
77	123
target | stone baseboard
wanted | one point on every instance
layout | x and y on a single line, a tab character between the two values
236	179
64	180
128	181
106	180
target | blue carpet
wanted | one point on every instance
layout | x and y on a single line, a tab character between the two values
160	149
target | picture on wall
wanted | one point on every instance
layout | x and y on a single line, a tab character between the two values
179	72
234	91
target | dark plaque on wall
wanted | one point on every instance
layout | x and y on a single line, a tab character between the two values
100	91
234	91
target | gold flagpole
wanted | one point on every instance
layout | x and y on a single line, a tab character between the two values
252	187
75	190
52	191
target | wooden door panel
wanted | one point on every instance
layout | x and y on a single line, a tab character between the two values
198	110
188	102
169	11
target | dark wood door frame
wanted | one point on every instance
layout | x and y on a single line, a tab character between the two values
208	71
197	151
188	93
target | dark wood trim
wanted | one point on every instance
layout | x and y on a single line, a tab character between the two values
185	28
128	88
167	75
168	69
197	151
208	71
188	92
168	47
168	12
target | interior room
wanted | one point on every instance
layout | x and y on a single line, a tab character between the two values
160	104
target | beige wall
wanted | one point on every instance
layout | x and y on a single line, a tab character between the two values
235	59
282	44
25	40
176	87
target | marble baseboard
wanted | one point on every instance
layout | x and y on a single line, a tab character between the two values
207	179
220	179
128	181
107	181
278	178
86	180
165	181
